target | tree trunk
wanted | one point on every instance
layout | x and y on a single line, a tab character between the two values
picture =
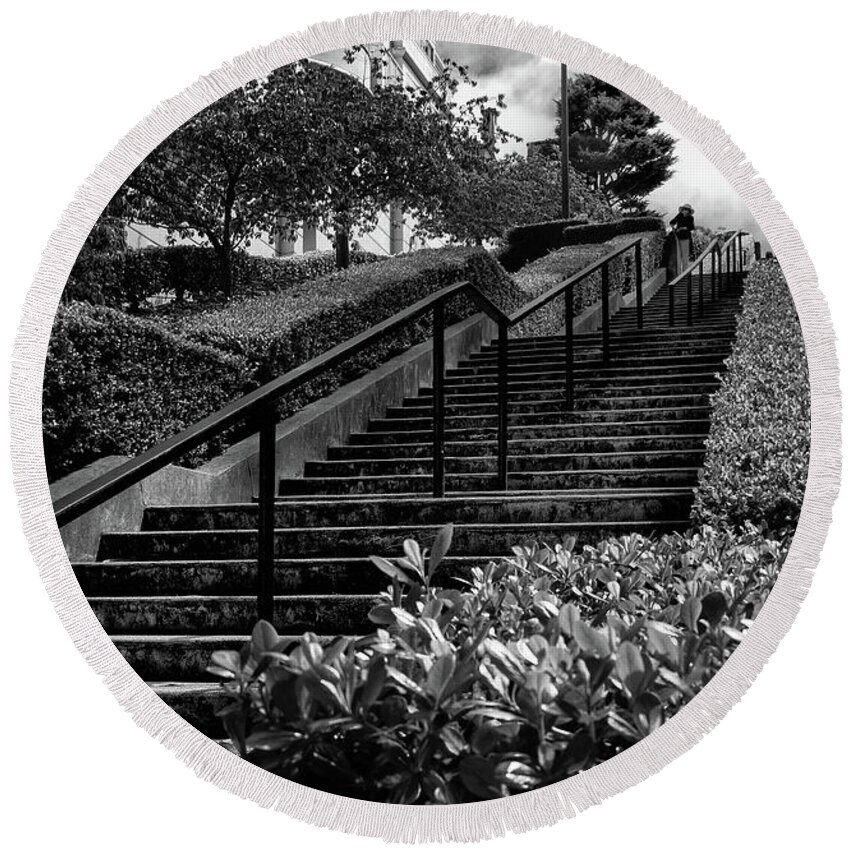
225	252
225	269
342	246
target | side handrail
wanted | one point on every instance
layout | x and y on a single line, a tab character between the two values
257	410
734	264
248	407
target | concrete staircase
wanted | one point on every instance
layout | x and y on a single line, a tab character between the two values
626	459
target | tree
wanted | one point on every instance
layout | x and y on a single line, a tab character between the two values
502	193
210	177
395	144
308	144
615	142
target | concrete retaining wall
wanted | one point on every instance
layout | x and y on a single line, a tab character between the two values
232	477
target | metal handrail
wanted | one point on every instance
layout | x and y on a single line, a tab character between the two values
734	265
257	408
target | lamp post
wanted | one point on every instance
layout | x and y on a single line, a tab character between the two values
565	144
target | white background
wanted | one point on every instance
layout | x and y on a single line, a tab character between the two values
77	76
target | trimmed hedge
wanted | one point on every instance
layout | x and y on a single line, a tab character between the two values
281	330
115	384
128	278
533	241
539	275
543	665
758	446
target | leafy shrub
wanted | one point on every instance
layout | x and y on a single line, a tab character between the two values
757	452
533	241
115	384
281	330
548	663
127	278
540	275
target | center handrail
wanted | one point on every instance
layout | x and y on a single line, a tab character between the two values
249	406
735	261
257	408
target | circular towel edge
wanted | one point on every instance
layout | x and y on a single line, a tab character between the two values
474	821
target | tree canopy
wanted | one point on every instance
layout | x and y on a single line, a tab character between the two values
615	142
309	143
502	193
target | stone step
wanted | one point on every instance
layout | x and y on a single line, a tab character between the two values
516	463
133	615
469	539
525	390
565	479
196	702
487	447
675	334
407	420
572	430
183	657
555	371
619	351
487	394
628	365
584	402
239	576
574	506
519	383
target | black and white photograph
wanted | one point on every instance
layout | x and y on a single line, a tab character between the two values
426	422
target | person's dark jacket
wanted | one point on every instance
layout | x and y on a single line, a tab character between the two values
683	221
683	227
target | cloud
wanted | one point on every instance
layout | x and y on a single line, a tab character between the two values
482	59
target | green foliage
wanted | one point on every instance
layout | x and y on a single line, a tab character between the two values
533	241
504	193
308	143
541	275
615	142
127	278
114	384
282	330
757	452
547	663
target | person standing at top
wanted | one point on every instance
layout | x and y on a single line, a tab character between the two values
683	228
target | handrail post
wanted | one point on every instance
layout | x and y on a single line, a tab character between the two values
713	272
639	282
728	282
671	304
569	354
606	315
701	296
741	253
265	515
690	299
502	415
438	368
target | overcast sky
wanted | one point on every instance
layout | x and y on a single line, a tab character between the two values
531	85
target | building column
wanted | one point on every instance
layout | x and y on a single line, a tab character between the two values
284	244
309	238
396	229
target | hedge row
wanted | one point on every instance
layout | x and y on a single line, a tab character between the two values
128	278
542	274
281	330
115	384
533	241
544	665
758	446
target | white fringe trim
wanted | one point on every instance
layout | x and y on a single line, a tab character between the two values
473	821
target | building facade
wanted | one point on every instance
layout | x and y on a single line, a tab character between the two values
413	63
